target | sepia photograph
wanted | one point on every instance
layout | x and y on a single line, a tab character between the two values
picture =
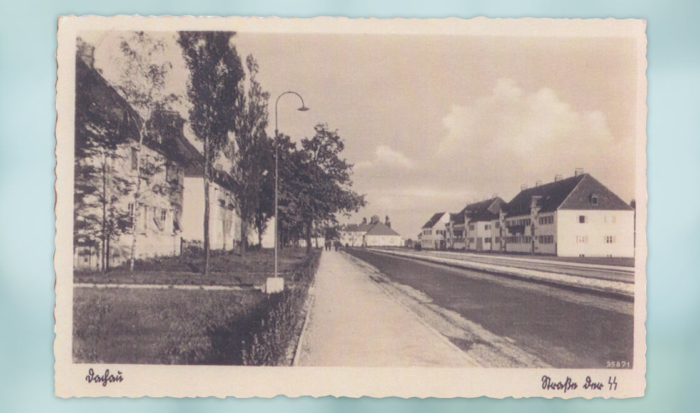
406	208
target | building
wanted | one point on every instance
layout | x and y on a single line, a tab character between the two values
224	222
455	231
107	160
434	232
479	227
372	234
572	217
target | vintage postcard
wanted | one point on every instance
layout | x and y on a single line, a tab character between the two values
254	207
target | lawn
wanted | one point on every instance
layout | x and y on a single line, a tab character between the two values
229	269
192	326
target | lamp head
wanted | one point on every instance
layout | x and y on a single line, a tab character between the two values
303	109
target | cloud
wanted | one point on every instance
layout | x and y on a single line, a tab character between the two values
384	156
510	134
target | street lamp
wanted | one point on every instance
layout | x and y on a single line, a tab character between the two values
276	284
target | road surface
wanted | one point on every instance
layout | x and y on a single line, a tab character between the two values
502	322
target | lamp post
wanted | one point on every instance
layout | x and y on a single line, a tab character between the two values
276	284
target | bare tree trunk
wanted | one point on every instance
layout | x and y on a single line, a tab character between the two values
206	205
308	238
104	211
244	236
137	196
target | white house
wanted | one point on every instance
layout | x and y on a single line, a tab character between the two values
434	233
572	217
372	234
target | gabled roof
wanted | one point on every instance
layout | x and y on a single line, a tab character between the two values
482	216
484	205
356	227
575	192
433	220
381	229
457	218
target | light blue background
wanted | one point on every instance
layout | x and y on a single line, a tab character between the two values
27	116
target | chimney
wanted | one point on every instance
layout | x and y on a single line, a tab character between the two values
523	187
578	171
538	183
387	222
557	177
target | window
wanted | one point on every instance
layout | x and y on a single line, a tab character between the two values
610	239
594	199
581	219
487	240
471	227
498	240
549	219
131	209
487	227
163	215
582	239
546	239
498	224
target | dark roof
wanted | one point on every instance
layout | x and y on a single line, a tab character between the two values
484	215
357	227
381	229
457	218
433	220
100	102
483	205
582	196
570	193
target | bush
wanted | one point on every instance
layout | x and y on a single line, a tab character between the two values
277	335
417	246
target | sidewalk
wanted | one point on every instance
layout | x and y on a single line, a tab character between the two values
618	288
354	323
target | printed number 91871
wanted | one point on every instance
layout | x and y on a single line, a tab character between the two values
617	364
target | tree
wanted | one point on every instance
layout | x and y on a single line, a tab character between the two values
319	184
214	91
142	84
250	154
100	128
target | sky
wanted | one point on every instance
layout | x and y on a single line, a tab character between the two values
433	122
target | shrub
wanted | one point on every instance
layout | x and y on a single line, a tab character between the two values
274	341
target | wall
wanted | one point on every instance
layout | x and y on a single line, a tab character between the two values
599	224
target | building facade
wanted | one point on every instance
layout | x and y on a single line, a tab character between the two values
434	232
111	167
572	217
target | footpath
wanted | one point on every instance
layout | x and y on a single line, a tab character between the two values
595	285
354	323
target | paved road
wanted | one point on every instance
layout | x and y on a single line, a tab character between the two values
557	327
353	322
602	272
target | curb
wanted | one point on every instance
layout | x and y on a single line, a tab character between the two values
310	303
609	290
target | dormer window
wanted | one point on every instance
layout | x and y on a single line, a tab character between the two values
594	199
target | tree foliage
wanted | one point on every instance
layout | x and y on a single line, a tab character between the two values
316	185
213	88
251	156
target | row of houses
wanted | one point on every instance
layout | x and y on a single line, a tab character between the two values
573	217
170	211
372	234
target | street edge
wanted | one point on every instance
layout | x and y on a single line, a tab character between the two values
311	297
420	320
606	292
